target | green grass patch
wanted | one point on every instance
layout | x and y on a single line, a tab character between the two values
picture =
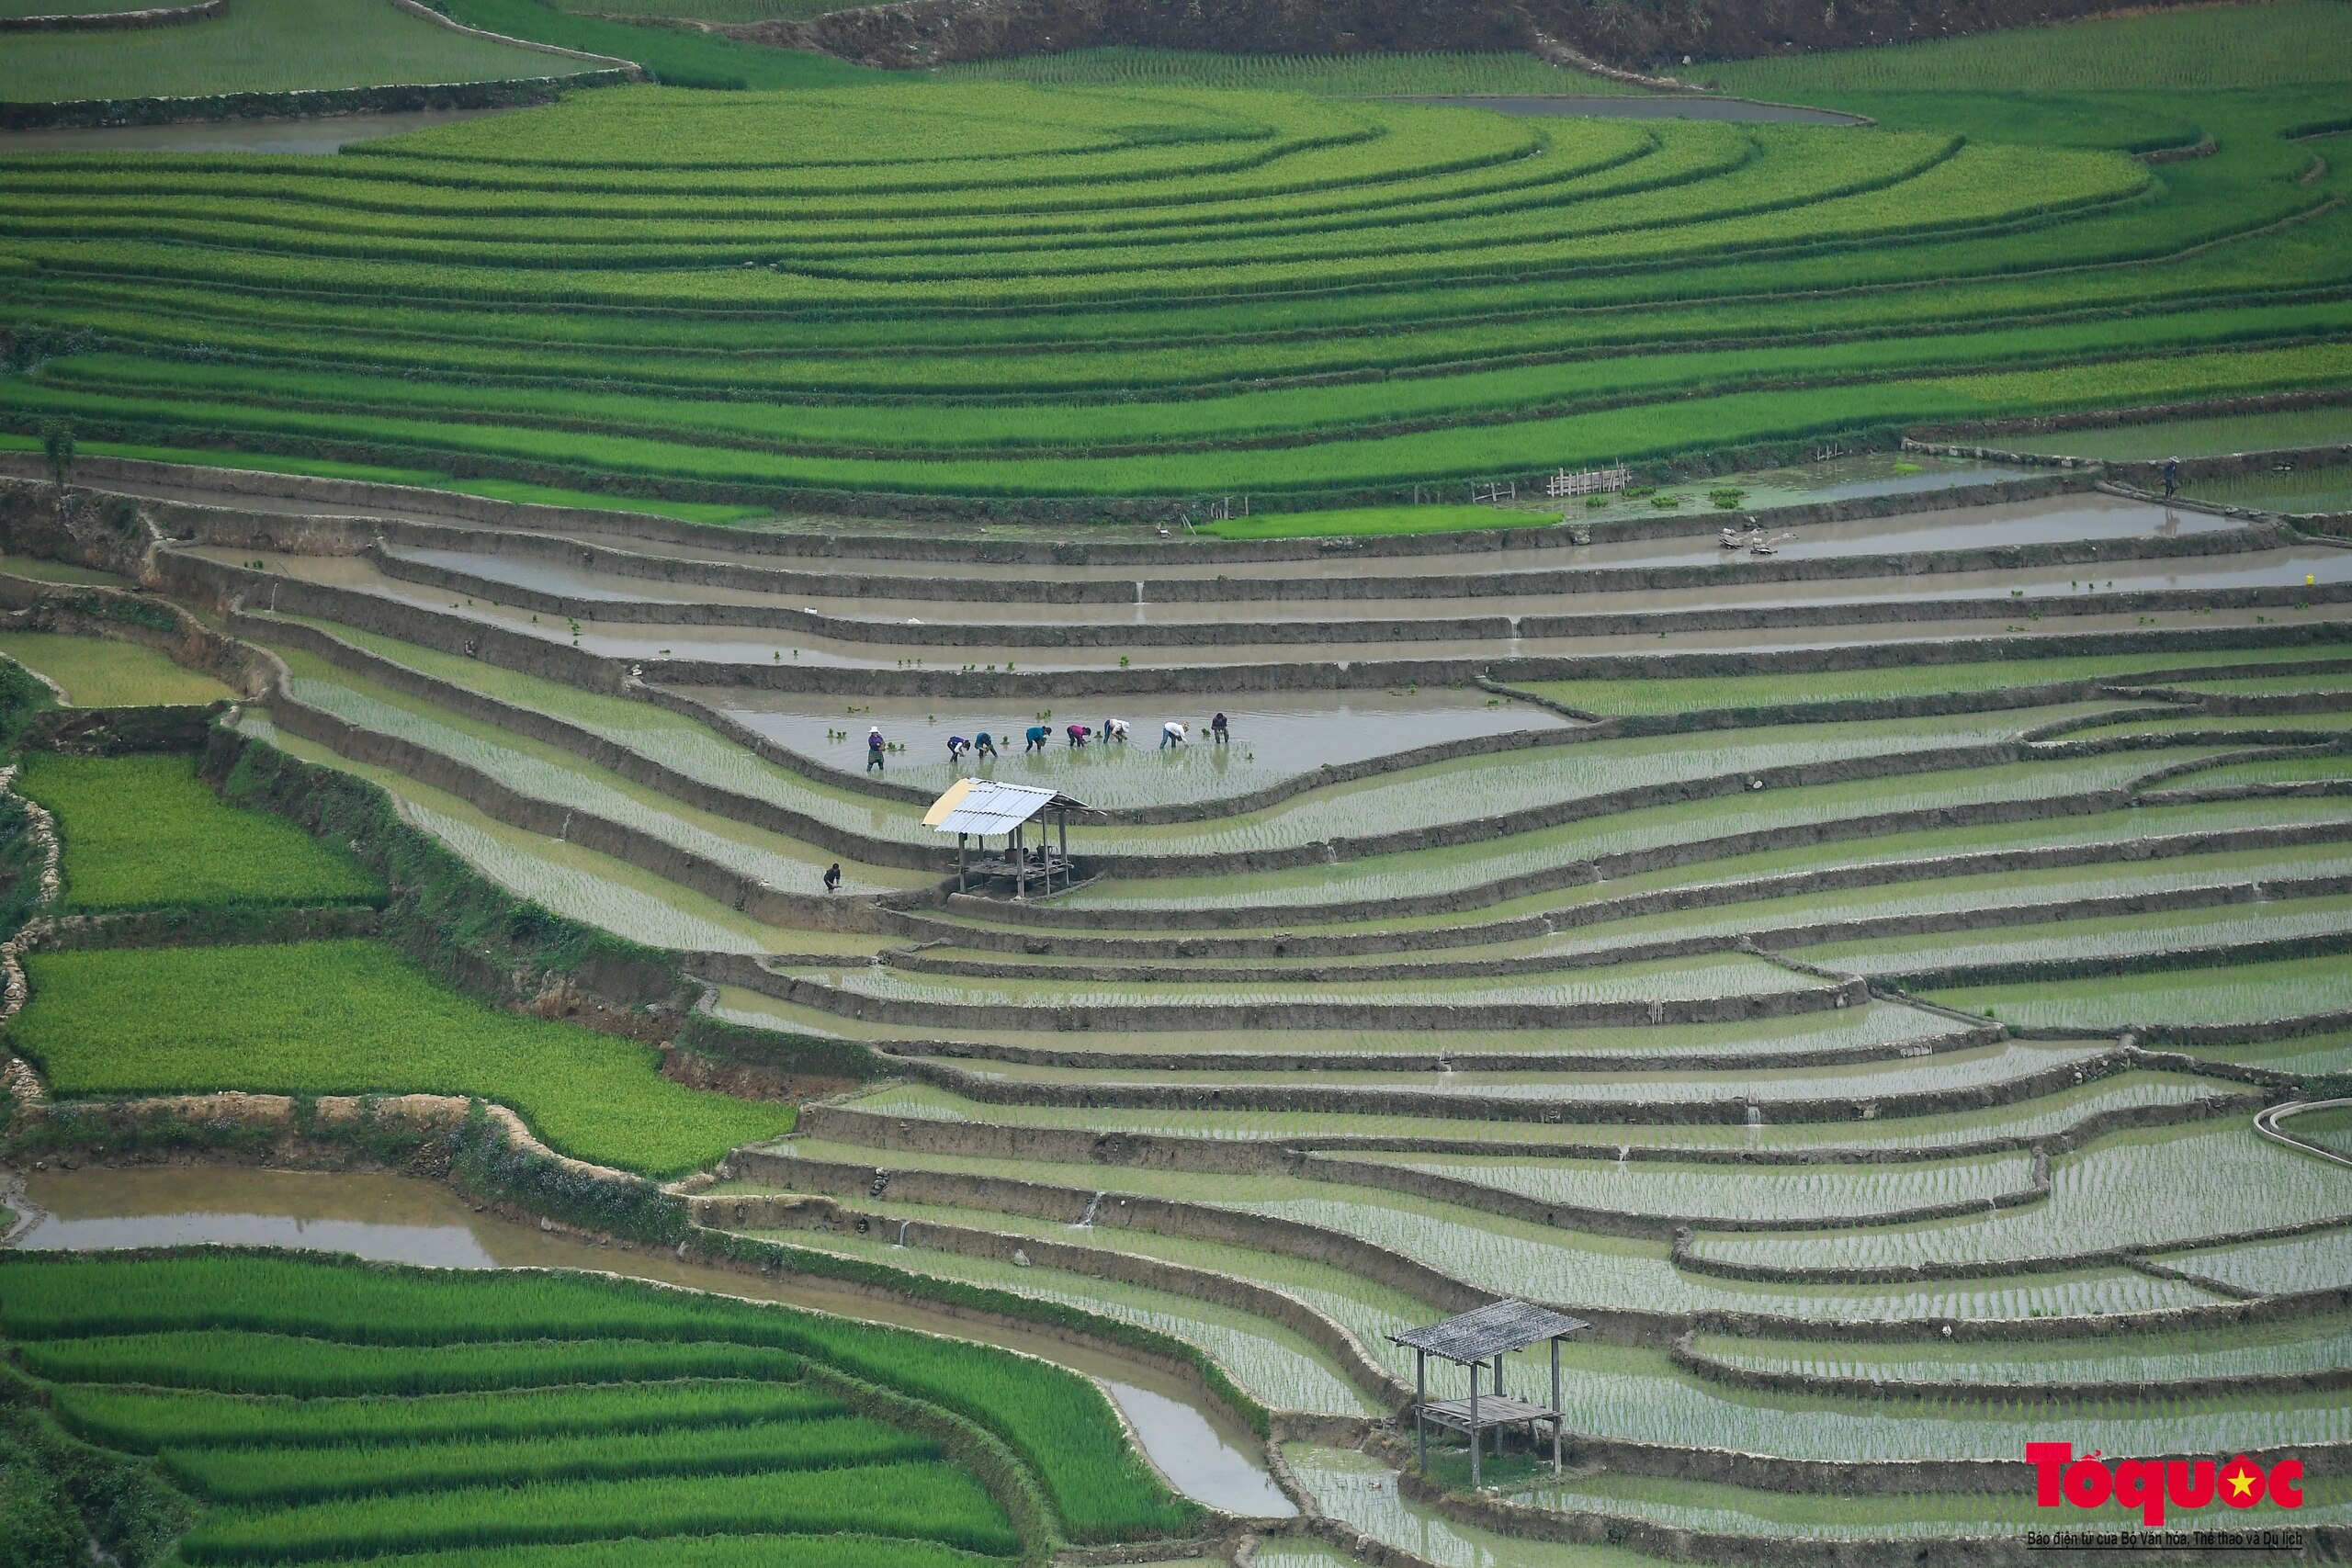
143	832
351	1018
106	672
266	46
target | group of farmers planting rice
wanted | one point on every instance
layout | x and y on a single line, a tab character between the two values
1174	734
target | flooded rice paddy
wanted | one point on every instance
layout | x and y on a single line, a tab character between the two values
402	1219
1275	737
2051	520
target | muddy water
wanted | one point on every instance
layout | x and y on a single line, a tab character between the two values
1677	105
410	1221
313	134
1275	737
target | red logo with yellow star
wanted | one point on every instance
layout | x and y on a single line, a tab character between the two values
2149	1484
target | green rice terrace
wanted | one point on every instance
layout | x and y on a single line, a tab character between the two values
800	815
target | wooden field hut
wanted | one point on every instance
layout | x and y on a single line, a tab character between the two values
979	808
1474	1340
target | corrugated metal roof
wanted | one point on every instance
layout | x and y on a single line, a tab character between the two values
1496	1329
983	805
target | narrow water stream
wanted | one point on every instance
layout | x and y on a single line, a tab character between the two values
402	1219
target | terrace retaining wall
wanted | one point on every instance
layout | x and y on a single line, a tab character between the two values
845	1123
1354	1255
1713	1369
1333	1014
389	99
635	766
1456	1107
201	928
221	524
1195	1284
759	899
1600	911
1033	636
115	21
1253	585
216	584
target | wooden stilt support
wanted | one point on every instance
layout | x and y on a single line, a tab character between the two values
1559	1418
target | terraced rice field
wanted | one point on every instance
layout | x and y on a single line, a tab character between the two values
335	1420
1167	278
1854	975
272	46
100	673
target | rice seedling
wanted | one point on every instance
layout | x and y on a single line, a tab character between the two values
865	219
2247	993
2291	1346
2283	1267
354	1017
2105	936
250	1475
274	46
1361	1492
676	742
227	1362
1415	876
143	832
1269	1361
1666	979
206	1320
2145	1189
546	773
103	672
2037	1118
1680	695
1793	1195
922	1501
145	1420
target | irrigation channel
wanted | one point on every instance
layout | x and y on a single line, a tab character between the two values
1846	974
405	1220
